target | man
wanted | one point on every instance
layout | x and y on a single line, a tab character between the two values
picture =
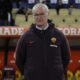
42	52
58	6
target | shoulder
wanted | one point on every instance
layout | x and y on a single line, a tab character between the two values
59	33
55	30
28	34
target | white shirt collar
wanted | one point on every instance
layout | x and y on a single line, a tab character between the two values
39	28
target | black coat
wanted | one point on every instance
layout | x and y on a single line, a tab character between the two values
43	55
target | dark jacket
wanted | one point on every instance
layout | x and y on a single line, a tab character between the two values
43	55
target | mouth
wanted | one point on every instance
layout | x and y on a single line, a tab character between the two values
39	21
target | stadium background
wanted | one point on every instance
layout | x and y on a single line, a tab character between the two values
18	15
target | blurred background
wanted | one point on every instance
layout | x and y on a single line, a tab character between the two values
16	15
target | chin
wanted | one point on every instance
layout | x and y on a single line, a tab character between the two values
40	24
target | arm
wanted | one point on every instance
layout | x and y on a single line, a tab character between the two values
20	54
65	50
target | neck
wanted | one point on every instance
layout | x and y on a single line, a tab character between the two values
42	27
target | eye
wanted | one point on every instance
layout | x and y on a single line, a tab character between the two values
41	14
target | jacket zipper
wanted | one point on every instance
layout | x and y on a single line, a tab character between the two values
44	48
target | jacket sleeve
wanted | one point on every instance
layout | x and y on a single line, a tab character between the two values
20	54
65	51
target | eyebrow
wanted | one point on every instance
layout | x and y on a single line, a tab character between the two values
37	14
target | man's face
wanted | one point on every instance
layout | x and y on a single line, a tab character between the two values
40	16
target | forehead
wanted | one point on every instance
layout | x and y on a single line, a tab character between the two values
40	10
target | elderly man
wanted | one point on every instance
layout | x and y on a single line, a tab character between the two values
42	53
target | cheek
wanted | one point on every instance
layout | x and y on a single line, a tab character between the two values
41	19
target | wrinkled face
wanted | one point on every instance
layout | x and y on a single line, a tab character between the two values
40	16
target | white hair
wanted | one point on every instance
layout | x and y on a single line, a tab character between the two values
44	6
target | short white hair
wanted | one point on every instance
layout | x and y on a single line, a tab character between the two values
44	6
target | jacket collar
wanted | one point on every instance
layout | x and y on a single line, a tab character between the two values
45	28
